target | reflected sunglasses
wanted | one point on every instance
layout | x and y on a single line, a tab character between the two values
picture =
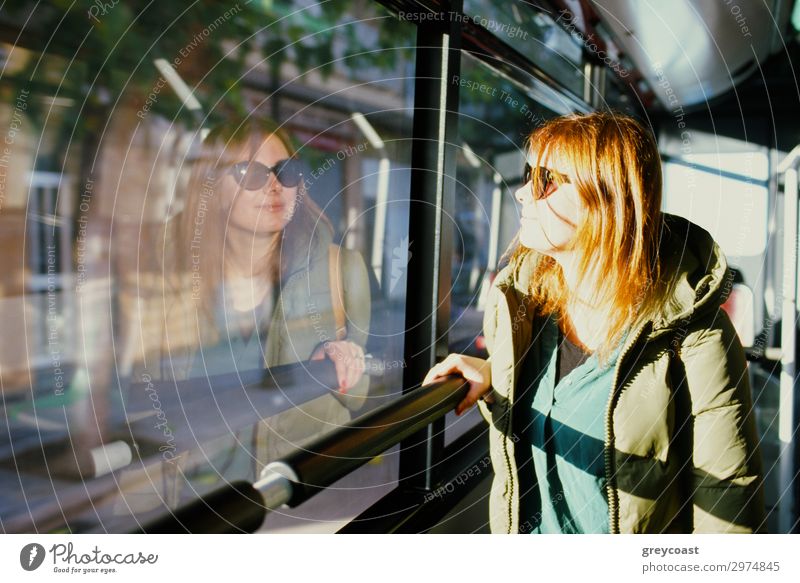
543	180
252	175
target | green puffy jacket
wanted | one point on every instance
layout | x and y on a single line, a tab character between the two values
679	456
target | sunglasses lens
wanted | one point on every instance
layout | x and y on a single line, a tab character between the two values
250	175
545	180
542	180
540	177
289	172
254	175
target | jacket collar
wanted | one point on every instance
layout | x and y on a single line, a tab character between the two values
691	259
316	252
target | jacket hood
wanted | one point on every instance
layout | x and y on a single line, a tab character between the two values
697	270
691	260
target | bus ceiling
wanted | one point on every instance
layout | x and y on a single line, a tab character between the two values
686	52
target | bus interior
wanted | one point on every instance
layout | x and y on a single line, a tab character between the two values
410	120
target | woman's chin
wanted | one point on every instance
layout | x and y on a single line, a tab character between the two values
534	243
269	225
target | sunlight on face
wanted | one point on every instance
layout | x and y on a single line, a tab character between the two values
548	225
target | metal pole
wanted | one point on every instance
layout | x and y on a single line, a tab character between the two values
494	240
381	202
786	422
382	193
432	201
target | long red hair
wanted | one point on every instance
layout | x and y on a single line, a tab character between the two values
200	242
615	167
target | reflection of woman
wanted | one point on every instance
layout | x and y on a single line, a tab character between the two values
617	390
252	283
250	237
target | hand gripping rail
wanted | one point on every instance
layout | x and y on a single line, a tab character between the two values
242	507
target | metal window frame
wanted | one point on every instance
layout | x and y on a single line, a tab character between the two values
432	199
425	461
440	45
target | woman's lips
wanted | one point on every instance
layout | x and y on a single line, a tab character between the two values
271	207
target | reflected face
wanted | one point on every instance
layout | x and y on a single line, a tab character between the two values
267	208
550	220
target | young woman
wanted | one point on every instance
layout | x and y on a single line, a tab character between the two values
246	280
257	252
616	390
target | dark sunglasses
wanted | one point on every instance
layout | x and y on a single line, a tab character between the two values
252	175
543	180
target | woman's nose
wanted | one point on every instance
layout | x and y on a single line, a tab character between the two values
523	194
272	185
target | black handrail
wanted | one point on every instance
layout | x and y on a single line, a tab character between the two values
235	508
342	451
238	507
206	408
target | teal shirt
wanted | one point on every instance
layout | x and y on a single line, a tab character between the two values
234	352
232	457
566	432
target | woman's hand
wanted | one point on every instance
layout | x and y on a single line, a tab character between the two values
476	371
347	357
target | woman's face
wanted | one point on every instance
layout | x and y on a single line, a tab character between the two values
269	208
548	224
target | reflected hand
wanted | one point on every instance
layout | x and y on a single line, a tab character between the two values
476	371
347	357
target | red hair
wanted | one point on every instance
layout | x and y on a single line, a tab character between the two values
613	162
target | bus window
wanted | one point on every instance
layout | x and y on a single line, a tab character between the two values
214	192
716	173
739	307
537	34
493	125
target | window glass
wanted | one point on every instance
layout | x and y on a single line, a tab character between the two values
735	212
740	234
495	118
536	34
714	151
617	96
180	192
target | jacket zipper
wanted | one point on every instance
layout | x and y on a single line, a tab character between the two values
608	452
509	471
613	511
506	431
